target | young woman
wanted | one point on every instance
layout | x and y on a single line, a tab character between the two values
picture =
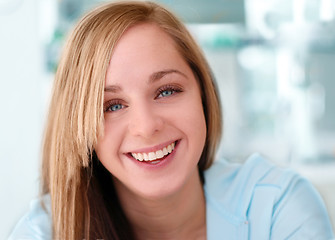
130	141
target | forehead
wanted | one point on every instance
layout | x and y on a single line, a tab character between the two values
143	34
143	49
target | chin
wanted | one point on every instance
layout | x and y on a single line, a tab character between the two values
159	191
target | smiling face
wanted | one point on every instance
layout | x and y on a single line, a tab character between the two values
154	127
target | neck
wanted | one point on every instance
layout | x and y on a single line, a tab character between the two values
181	215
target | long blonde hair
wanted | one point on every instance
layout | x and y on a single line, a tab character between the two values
78	197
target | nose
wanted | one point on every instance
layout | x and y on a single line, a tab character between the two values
145	121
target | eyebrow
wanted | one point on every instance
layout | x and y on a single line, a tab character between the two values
153	78
113	89
160	74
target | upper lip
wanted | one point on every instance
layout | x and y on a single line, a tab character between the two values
152	149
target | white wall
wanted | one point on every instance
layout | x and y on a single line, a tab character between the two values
21	109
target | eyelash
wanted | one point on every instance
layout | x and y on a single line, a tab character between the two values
112	103
173	89
160	91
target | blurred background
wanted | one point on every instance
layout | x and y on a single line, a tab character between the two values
274	62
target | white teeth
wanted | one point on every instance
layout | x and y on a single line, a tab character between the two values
169	148
159	154
151	156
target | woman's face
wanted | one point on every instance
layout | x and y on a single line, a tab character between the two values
155	127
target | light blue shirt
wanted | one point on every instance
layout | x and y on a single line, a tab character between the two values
259	201
254	201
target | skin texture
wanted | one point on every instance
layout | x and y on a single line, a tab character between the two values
152	99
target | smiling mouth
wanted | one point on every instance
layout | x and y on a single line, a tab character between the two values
154	156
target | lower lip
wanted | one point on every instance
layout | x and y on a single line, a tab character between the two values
157	163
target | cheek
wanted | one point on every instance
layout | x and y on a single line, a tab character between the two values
108	144
192	119
101	152
197	125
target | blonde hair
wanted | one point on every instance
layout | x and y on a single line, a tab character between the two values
76	114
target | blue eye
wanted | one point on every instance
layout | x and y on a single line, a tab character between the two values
166	93
115	107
